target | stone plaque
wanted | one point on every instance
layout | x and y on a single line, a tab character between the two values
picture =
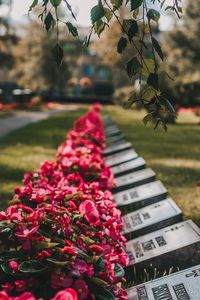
127	167
113	131
121	157
107	120
140	196
176	246
183	285
115	139
151	218
111	127
134	179
117	148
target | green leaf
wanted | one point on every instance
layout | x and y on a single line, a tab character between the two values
157	48
58	54
55	3
119	271
5	268
149	93
148	66
132	99
99	27
34	3
72	29
32	266
57	262
98	281
135	4
48	21
70	196
104	294
168	105
46	245
108	14
130	27
133	67
153	80
121	45
147	118
117	3
153	14
97	12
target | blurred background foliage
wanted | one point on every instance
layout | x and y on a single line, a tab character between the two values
98	70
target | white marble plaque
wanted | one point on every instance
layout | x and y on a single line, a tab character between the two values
121	157
117	148
149	215
113	131
115	139
162	241
111	127
126	167
145	191
183	285
134	177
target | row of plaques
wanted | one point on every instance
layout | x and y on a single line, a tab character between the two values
157	237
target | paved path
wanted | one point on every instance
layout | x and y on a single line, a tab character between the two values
22	118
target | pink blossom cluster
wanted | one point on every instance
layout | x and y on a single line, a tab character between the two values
60	237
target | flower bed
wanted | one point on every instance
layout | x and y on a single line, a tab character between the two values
60	237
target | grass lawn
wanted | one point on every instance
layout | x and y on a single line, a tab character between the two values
23	150
174	155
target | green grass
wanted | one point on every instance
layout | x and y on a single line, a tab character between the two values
174	155
23	150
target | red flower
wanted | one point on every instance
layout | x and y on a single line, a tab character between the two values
68	294
96	248
24	233
13	265
69	250
89	211
60	280
26	296
20	285
82	288
4	296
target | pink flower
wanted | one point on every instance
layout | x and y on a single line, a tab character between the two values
69	250
80	267
89	211
68	294
96	248
82	288
20	285
24	233
4	296
60	280
44	254
8	287
26	296
14	266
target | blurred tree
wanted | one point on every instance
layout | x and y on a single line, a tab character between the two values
182	49
131	34
106	50
34	67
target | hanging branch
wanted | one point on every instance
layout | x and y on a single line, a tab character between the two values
140	65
